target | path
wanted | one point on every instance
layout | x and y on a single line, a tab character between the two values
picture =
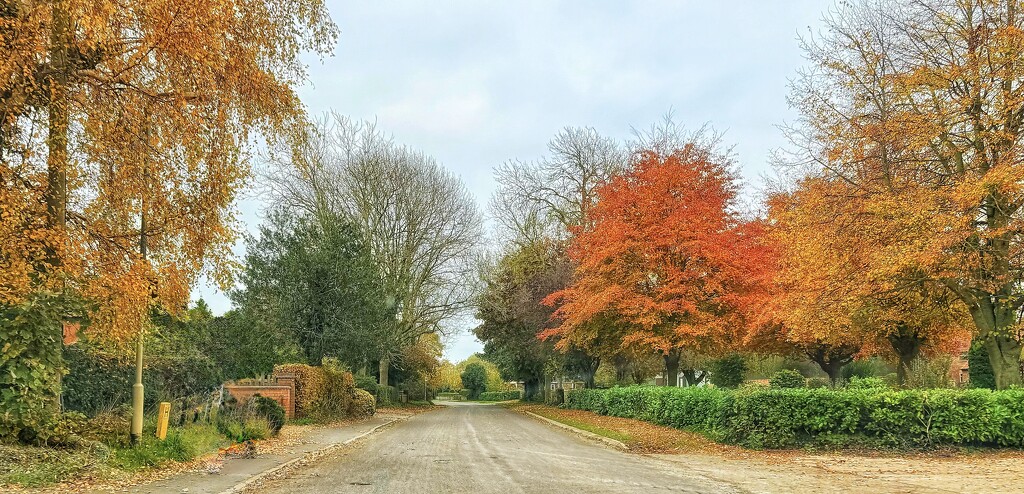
484	449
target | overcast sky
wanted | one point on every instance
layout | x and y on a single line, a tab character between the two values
476	83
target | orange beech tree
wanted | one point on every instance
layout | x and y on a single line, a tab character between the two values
827	299
916	107
665	260
124	129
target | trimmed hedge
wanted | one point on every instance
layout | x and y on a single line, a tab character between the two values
780	418
499	395
322	392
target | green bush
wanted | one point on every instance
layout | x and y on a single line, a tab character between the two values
241	427
787	378
368	383
30	369
728	372
261	406
499	395
866	383
181	444
788	417
819	382
980	367
474	378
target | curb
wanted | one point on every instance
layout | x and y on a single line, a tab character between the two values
245	484
587	434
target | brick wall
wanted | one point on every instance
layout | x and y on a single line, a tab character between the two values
282	394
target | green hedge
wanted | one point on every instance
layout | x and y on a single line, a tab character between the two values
499	395
779	418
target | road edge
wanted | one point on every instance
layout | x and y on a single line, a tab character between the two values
245	484
587	434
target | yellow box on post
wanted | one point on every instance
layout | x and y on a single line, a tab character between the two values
162	418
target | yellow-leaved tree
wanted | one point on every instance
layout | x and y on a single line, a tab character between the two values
125	134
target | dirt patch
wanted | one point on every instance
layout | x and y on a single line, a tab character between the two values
983	471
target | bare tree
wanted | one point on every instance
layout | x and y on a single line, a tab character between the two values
422	224
547	197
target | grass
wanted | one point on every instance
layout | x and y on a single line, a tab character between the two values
637	435
182	444
594	429
34	466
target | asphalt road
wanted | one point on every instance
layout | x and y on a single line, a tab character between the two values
482	449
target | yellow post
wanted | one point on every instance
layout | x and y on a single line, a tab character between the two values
161	421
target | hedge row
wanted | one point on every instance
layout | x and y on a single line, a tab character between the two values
779	418
499	395
322	392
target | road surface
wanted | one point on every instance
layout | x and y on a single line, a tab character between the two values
483	449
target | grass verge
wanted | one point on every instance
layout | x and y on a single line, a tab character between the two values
638	436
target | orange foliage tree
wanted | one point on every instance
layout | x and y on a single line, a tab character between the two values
665	260
912	118
829	301
124	130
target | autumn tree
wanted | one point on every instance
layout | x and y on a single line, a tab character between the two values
665	254
123	138
421	224
511	313
911	118
831	303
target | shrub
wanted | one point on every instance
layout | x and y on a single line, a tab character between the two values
866	383
474	378
787	378
872	367
241	427
367	383
336	395
363	404
787	417
819	382
30	369
182	444
309	385
261	406
930	373
728	372
980	367
323	392
499	395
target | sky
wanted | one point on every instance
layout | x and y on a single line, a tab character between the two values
478	83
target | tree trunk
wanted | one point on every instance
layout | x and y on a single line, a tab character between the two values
1005	355
57	127
621	364
531	389
672	368
589	371
907	345
692	378
995	323
830	358
384	367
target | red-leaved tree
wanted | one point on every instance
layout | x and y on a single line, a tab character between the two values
665	260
